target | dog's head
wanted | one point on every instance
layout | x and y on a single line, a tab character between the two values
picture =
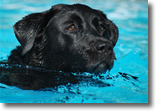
69	38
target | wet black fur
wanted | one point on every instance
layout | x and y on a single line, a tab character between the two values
46	42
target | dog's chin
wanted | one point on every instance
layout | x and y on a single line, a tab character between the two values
102	67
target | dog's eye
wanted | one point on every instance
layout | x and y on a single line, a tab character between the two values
102	28
71	27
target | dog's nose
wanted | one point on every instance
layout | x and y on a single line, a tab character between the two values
104	47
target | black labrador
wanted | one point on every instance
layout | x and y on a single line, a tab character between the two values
70	38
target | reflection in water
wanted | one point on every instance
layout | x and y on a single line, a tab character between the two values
28	77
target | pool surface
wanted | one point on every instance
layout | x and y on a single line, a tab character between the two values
127	82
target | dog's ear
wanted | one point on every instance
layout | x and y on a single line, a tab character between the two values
27	29
113	29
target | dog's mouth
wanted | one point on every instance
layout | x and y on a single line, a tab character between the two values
103	66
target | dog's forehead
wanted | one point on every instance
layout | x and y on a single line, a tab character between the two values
83	8
74	13
76	8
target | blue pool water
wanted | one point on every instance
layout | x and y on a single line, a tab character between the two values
127	82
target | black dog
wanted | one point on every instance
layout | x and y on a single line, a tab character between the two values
70	38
